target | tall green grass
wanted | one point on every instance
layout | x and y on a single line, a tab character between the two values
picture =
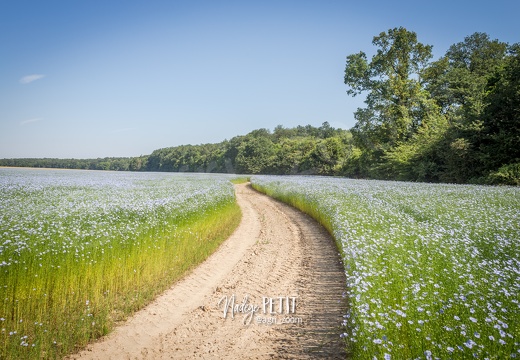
76	261
433	271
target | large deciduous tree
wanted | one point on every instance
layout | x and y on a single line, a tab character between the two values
397	103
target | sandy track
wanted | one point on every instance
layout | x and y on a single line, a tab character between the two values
275	252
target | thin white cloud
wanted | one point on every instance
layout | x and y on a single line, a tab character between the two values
29	121
30	78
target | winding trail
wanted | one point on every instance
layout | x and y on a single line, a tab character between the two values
275	252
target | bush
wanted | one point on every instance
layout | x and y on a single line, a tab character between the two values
506	175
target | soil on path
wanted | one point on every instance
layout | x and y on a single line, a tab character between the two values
276	253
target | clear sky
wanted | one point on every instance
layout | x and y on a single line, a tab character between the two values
98	78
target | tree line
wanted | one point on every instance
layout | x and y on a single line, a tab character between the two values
306	149
301	150
455	119
108	163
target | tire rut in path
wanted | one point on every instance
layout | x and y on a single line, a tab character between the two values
276	251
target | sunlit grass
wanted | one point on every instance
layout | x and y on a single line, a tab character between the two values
433	270
240	180
80	251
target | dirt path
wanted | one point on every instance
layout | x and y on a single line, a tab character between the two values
275	252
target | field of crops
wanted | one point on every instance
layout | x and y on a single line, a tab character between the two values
433	270
80	250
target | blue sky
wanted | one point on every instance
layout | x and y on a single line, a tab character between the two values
89	79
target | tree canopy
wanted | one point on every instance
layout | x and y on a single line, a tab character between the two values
454	119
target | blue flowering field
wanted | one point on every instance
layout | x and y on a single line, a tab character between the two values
433	270
81	250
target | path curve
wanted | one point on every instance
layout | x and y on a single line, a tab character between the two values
276	251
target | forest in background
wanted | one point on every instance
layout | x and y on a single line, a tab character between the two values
455	119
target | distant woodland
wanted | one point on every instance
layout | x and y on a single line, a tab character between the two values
455	119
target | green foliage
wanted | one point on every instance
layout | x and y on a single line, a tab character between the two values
294	155
506	175
328	156
108	163
187	158
394	96
460	84
500	141
255	155
300	150
452	120
417	159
